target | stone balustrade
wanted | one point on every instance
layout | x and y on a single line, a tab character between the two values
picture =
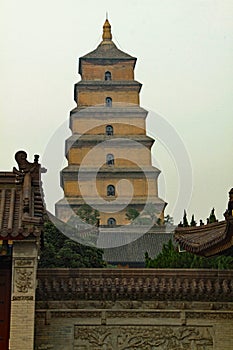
135	284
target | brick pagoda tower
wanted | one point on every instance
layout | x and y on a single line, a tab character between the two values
109	157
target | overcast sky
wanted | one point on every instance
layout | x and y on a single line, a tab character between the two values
185	54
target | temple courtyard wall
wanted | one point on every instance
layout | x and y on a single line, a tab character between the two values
128	309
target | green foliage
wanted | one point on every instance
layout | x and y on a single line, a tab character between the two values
171	258
151	212
185	220
212	217
149	216
168	220
132	214
193	222
60	251
88	214
146	218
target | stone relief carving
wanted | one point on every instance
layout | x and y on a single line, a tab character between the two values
146	338
24	280
24	262
22	297
75	314
143	314
45	347
210	315
134	305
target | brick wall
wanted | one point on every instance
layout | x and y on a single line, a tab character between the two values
119	70
94	98
96	126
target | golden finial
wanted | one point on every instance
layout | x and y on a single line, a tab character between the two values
107	35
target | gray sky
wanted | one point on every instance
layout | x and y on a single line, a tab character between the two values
185	54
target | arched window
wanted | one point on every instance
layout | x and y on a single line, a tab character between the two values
108	102
108	76
110	159
111	222
109	130
110	190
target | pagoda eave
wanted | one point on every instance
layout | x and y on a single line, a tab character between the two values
76	141
119	109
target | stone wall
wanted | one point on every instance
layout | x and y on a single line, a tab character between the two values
134	309
24	266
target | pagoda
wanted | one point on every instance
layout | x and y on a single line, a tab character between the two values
109	153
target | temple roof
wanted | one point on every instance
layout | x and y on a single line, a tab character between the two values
207	240
21	200
133	253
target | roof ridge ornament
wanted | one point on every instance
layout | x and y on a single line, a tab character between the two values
107	35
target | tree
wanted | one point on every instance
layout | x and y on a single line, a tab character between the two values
137	218
149	216
212	217
132	214
168	220
193	222
185	221
88	214
60	251
171	258
152	212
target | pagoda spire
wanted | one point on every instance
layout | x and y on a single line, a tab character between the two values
107	35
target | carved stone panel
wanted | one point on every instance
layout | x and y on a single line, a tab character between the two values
23	280
24	262
142	337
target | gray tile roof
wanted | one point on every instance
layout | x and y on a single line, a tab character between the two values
133	253
204	240
107	50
